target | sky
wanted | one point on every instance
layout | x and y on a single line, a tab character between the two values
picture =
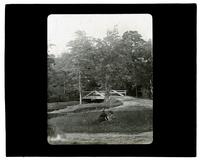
61	28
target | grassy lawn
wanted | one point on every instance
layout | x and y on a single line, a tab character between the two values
63	107
86	122
102	138
133	117
60	105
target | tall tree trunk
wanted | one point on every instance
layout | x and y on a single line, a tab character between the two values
107	91
79	85
136	91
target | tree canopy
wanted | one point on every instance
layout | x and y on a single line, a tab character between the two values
114	62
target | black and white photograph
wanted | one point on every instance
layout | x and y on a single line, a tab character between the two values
100	79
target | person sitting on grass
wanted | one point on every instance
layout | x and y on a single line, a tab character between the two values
110	115
103	116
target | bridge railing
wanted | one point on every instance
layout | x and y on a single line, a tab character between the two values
101	93
123	92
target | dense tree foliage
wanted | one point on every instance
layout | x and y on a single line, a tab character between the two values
114	62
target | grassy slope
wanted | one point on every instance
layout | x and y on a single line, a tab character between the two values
83	119
60	105
125	121
80	108
78	124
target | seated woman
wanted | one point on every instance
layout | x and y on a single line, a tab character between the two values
110	115
103	116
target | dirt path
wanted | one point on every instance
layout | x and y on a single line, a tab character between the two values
131	103
102	138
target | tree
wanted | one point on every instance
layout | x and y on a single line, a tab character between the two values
139	58
81	50
114	62
110	62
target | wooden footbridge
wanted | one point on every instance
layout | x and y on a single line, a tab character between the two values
100	95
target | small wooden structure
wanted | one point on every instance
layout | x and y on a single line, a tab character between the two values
100	95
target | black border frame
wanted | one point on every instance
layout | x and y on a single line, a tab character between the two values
174	110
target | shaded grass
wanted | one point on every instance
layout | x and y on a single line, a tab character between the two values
60	105
86	122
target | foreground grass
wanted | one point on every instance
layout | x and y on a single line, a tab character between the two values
78	124
86	122
102	138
